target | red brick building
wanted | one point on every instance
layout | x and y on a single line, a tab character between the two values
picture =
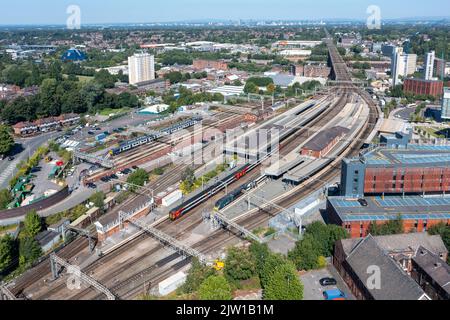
210	64
423	87
323	142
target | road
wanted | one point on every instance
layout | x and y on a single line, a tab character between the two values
24	148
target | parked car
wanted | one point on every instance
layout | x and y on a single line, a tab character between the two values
10	158
92	186
114	176
335	294
328	282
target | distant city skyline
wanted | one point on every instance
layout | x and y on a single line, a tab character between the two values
136	11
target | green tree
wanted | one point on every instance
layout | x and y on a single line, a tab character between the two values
5	198
98	199
196	275
215	288
29	250
6	140
140	177
239	265
306	253
391	227
284	284
6	252
32	224
270	264
444	231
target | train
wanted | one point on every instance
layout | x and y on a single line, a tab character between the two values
234	195
187	206
132	144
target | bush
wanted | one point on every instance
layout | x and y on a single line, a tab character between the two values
239	265
284	284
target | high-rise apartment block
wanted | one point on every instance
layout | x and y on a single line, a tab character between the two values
141	68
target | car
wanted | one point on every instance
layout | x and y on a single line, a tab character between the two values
363	202
328	282
135	167
10	158
127	171
335	294
91	133
114	176
92	186
98	129
120	174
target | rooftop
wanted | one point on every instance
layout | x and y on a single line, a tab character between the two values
395	283
389	208
412	156
437	269
323	138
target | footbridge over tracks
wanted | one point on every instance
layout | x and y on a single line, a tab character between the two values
56	263
92	239
105	163
221	219
164	238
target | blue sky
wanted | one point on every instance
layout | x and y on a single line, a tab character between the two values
107	11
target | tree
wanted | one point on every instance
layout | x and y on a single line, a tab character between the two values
5	198
270	264
6	140
29	250
306	253
239	265
6	252
140	177
98	199
32	223
196	275
284	284
444	231
215	288
388	228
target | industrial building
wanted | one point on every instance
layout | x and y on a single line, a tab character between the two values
423	87
418	213
412	170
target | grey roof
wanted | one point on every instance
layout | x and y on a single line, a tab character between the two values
433	265
46	237
395	283
323	138
402	242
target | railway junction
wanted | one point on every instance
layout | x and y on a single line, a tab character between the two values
149	251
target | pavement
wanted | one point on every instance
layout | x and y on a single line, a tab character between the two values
402	113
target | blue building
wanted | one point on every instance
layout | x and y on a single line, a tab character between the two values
74	55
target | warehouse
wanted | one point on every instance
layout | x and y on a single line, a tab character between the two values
416	169
417	213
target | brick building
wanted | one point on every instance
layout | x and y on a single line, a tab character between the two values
418	213
393	257
45	124
323	142
423	87
210	64
411	170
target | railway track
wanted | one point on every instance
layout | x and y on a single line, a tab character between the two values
211	243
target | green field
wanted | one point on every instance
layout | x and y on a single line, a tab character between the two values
108	111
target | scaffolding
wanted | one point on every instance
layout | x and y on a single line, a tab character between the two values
55	264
